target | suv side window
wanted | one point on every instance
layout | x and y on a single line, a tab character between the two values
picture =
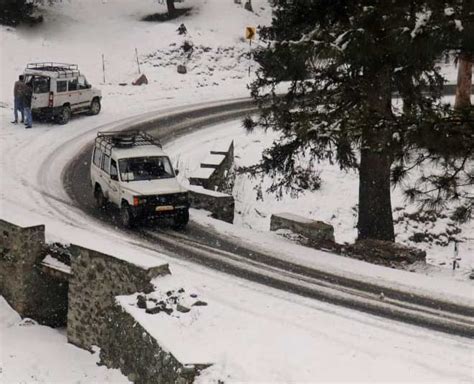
72	85
113	170
106	163
83	83
61	86
97	157
41	84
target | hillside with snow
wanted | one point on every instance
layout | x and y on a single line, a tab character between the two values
253	333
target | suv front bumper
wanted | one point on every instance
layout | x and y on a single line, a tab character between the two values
152	207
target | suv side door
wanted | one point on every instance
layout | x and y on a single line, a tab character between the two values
114	183
73	92
61	96
41	88
96	175
84	90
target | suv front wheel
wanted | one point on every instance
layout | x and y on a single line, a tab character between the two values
181	220
126	217
65	115
95	107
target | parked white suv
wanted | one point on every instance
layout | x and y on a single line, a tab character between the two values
59	90
130	170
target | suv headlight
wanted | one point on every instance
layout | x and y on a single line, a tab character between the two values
137	200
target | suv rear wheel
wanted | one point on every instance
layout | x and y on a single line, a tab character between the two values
99	198
126	217
65	115
95	107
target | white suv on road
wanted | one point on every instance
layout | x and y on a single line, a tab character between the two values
59	90
130	170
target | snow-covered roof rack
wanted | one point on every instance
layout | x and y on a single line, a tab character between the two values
60	69
128	139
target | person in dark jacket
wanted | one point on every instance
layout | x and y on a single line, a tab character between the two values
27	95
18	98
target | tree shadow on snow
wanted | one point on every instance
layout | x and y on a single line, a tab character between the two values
162	17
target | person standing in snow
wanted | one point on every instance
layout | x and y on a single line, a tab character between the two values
18	90
27	95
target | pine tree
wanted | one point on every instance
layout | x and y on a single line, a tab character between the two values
340	63
12	12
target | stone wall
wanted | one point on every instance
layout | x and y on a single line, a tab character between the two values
215	171
219	204
95	281
315	231
128	346
24	283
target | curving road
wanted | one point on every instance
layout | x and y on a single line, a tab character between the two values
200	245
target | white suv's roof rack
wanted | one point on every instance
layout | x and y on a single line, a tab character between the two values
60	69
126	139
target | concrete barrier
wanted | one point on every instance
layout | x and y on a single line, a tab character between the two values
314	231
219	204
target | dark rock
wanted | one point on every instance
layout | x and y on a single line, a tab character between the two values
141	302
168	311
182	308
199	303
154	310
182	69
142	80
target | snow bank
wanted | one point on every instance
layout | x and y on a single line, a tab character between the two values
254	334
32	353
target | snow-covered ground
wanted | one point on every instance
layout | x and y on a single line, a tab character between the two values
32	353
260	334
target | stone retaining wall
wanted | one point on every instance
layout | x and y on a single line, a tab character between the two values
95	281
215	170
30	290
219	204
128	346
315	231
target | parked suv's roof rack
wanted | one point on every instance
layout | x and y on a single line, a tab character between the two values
127	139
61	69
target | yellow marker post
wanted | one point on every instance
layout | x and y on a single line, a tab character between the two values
250	33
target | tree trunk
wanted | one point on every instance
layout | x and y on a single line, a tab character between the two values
171	7
375	206
464	84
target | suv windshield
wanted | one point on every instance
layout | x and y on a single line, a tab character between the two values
145	168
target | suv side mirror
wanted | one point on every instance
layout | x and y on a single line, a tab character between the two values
114	177
176	172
